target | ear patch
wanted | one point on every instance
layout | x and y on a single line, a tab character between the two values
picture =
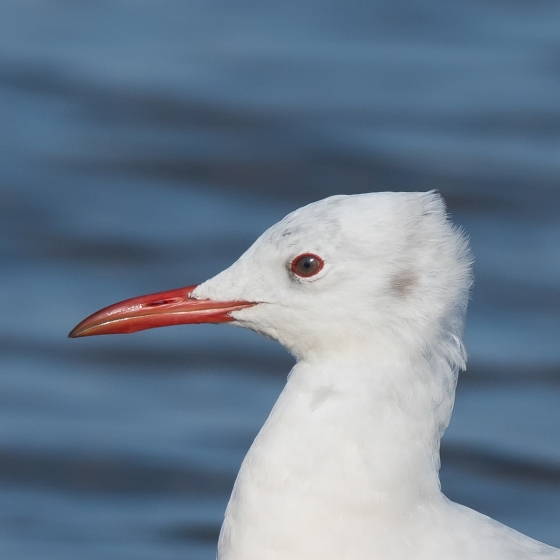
403	283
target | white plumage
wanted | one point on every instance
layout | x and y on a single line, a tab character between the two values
346	466
369	293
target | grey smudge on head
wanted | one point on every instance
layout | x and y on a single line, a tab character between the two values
403	283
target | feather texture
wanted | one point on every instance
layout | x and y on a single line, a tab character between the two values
346	466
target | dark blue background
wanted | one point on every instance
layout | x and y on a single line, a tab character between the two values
144	144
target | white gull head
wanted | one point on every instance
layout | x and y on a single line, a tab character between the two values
395	279
369	293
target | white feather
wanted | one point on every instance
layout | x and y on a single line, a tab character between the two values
346	466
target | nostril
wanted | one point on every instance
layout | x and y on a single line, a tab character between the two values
159	302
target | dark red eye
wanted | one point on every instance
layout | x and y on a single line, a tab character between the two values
307	265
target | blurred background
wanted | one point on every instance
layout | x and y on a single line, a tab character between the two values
144	144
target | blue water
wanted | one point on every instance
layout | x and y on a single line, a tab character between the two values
145	144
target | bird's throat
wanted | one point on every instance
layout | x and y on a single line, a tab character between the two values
337	446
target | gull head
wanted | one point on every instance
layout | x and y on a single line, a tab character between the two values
385	272
377	270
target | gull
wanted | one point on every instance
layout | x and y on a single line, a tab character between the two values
369	293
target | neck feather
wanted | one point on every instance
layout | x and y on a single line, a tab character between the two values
349	445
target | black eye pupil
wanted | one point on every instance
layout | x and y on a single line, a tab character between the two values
307	265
